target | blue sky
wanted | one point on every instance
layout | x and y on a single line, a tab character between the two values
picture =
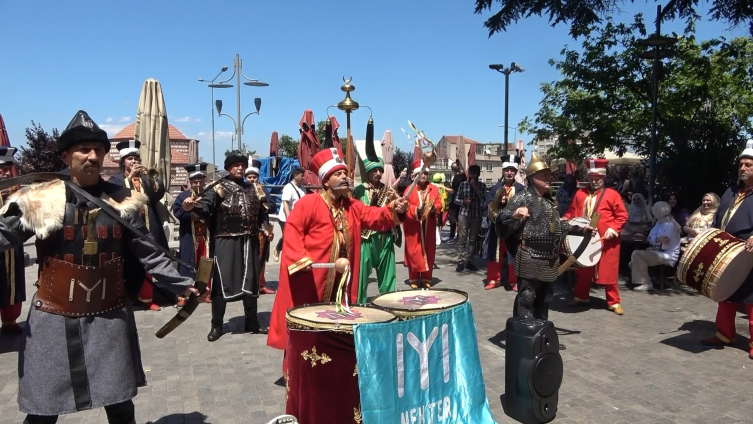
418	60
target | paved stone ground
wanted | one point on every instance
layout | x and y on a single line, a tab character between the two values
643	367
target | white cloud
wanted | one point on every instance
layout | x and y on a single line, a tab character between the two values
223	134
197	120
183	119
201	134
112	129
124	119
108	120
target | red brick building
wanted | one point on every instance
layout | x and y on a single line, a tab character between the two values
183	151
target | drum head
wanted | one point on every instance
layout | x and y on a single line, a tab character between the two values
592	255
733	275
420	302
323	316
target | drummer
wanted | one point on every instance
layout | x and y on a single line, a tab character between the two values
597	199
735	216
317	218
531	216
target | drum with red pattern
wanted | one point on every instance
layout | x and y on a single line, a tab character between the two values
716	264
322	375
407	304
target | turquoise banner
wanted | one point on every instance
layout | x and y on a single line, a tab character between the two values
425	370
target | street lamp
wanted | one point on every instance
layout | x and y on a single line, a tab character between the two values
212	86
237	73
515	135
514	67
657	41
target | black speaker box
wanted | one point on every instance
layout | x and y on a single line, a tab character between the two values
533	370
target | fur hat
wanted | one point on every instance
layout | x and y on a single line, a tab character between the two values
82	128
234	157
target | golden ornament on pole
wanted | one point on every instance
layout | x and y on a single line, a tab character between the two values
348	105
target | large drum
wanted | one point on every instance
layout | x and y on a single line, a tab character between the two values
716	264
409	304
322	378
592	255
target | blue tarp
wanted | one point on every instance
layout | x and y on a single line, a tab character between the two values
283	176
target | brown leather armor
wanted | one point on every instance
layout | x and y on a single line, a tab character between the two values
239	211
68	287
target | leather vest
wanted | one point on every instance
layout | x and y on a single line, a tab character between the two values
81	268
67	244
239	210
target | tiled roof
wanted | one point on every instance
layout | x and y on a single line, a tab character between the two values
178	157
453	139
127	133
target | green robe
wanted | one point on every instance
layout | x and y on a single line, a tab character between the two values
377	252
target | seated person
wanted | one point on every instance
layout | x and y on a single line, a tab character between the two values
665	241
639	218
701	219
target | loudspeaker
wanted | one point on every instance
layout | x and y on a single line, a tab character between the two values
533	370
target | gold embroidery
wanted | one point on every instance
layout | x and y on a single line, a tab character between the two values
286	376
313	356
301	264
355	372
357	414
698	272
720	241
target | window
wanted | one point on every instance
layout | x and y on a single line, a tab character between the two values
489	166
488	180
479	149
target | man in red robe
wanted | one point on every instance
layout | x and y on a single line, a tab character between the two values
424	205
322	228
598	199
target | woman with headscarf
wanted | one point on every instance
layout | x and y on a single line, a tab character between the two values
639	217
665	247
702	218
679	213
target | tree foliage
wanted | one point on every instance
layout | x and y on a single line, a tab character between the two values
245	150
583	15
41	154
401	160
604	101
288	146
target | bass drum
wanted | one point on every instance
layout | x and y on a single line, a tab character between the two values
322	378
592	255
716	264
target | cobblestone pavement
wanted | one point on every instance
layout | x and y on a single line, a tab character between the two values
643	367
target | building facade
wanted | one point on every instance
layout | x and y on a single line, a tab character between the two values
183	151
488	157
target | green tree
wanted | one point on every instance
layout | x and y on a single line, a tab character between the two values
604	101
41	154
244	149
584	15
401	160
288	146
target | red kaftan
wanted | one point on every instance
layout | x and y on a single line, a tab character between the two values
421	233
614	216
310	237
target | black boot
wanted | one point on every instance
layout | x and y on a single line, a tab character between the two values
215	333
249	310
218	315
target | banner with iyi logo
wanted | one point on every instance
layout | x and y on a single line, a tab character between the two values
423	370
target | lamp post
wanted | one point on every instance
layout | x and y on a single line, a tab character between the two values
212	86
237	73
657	41
238	125
514	67
348	105
515	133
